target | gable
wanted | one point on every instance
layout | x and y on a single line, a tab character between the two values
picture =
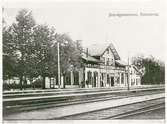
134	69
108	53
116	56
99	49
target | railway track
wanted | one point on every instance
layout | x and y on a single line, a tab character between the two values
119	112
43	96
27	104
66	91
139	111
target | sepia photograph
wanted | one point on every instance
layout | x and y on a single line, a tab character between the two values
83	60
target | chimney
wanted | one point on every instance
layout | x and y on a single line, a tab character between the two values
79	45
87	52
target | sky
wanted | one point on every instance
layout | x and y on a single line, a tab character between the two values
91	23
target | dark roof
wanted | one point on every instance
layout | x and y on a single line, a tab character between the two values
99	49
90	58
120	63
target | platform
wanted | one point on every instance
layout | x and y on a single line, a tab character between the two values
57	112
76	89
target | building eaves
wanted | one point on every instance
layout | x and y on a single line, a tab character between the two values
90	58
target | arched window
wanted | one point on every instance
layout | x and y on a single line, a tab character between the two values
76	77
89	77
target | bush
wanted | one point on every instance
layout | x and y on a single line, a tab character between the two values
10	86
37	84
17	86
6	86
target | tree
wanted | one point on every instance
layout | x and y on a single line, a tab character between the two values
45	60
46	52
9	55
22	38
154	69
70	54
29	50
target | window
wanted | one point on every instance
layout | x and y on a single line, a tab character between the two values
118	80
136	81
103	59
89	77
108	79
112	61
107	61
76	77
102	76
107	51
122	78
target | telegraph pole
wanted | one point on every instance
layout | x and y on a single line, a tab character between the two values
58	63
128	74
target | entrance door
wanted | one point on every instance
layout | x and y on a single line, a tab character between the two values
108	79
95	79
89	78
112	81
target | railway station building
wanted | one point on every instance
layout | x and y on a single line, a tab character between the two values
102	67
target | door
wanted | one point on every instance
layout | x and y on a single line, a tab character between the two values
112	81
108	79
95	79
